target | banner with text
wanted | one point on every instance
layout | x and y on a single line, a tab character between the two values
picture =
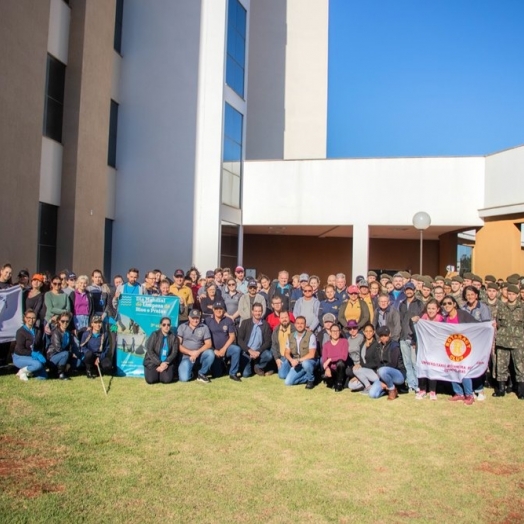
138	317
452	352
10	313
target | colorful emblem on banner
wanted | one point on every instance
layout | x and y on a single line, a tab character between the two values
458	347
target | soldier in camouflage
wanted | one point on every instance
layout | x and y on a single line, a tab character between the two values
510	341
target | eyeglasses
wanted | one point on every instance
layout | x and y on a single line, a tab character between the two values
353	328
447	303
166	324
231	285
57	283
30	318
308	291
64	321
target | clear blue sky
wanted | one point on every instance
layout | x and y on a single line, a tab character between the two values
425	77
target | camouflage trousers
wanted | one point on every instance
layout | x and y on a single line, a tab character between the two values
503	359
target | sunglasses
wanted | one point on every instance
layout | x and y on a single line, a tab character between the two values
166	324
308	291
64	321
447	303
97	321
353	328
56	283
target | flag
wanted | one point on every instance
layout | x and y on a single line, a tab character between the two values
452	352
10	313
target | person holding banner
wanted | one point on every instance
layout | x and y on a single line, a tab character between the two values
453	315
28	360
391	371
161	354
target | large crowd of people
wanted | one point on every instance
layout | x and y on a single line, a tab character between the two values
356	336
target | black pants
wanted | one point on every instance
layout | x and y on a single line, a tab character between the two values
152	376
426	384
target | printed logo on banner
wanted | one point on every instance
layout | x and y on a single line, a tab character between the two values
458	347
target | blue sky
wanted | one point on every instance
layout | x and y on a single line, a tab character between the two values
425	77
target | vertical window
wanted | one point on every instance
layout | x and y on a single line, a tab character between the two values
108	246
117	44
236	46
229	245
47	228
232	157
113	129
54	99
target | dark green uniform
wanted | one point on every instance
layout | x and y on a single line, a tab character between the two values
510	340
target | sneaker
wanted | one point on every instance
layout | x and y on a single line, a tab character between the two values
311	384
469	399
480	396
457	398
23	375
235	378
259	371
432	395
420	395
203	378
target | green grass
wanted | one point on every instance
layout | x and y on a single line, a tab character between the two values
253	452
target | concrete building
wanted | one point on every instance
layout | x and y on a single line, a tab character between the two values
165	134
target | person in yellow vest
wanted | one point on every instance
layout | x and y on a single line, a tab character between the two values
184	293
353	309
365	295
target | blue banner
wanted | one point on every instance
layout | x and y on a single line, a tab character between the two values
138	317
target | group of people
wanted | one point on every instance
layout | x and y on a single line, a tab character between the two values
359	337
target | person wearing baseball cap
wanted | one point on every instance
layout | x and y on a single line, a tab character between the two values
184	294
223	334
245	304
353	309
241	280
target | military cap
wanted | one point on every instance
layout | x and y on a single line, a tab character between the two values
398	274
492	285
428	278
512	280
372	274
385	275
503	285
476	278
468	276
457	278
416	276
427	284
490	278
514	275
439	277
513	288
405	274
447	281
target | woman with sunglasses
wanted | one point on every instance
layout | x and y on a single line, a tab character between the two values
56	301
231	300
29	361
431	313
94	347
59	349
454	315
161	354
33	298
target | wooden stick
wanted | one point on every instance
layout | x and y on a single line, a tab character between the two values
101	378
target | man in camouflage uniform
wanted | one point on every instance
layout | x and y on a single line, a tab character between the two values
493	302
510	341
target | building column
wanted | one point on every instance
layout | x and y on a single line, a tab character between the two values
360	251
240	257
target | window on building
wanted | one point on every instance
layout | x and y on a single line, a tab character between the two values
108	247
54	99
236	46
229	245
232	157
113	129
47	233
118	25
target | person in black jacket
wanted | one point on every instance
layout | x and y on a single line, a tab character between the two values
95	347
25	357
161	354
366	372
391	371
254	338
59	349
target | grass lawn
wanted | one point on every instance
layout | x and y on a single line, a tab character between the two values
255	451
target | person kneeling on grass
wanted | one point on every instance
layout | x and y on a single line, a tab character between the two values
195	345
94	347
365	371
335	357
29	361
59	349
301	350
161	353
391	372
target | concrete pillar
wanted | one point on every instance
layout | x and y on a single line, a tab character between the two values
360	251
240	257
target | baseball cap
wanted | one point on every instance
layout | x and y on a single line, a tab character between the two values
39	277
210	274
194	313
352	289
179	273
218	305
304	277
409	285
363	283
239	269
252	283
352	324
23	273
71	276
328	317
96	318
383	330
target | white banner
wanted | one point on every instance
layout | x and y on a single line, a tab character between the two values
452	352
10	313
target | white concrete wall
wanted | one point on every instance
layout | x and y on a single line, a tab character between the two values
155	186
306	79
364	191
58	38
504	183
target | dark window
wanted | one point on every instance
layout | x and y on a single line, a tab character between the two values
54	99
232	157
236	46
113	129
229	245
108	246
48	222
118	25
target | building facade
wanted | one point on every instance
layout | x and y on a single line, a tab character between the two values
169	134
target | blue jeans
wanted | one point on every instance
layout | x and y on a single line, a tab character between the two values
409	356
466	388
263	359
185	368
80	321
233	353
306	374
390	377
284	368
36	368
60	359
